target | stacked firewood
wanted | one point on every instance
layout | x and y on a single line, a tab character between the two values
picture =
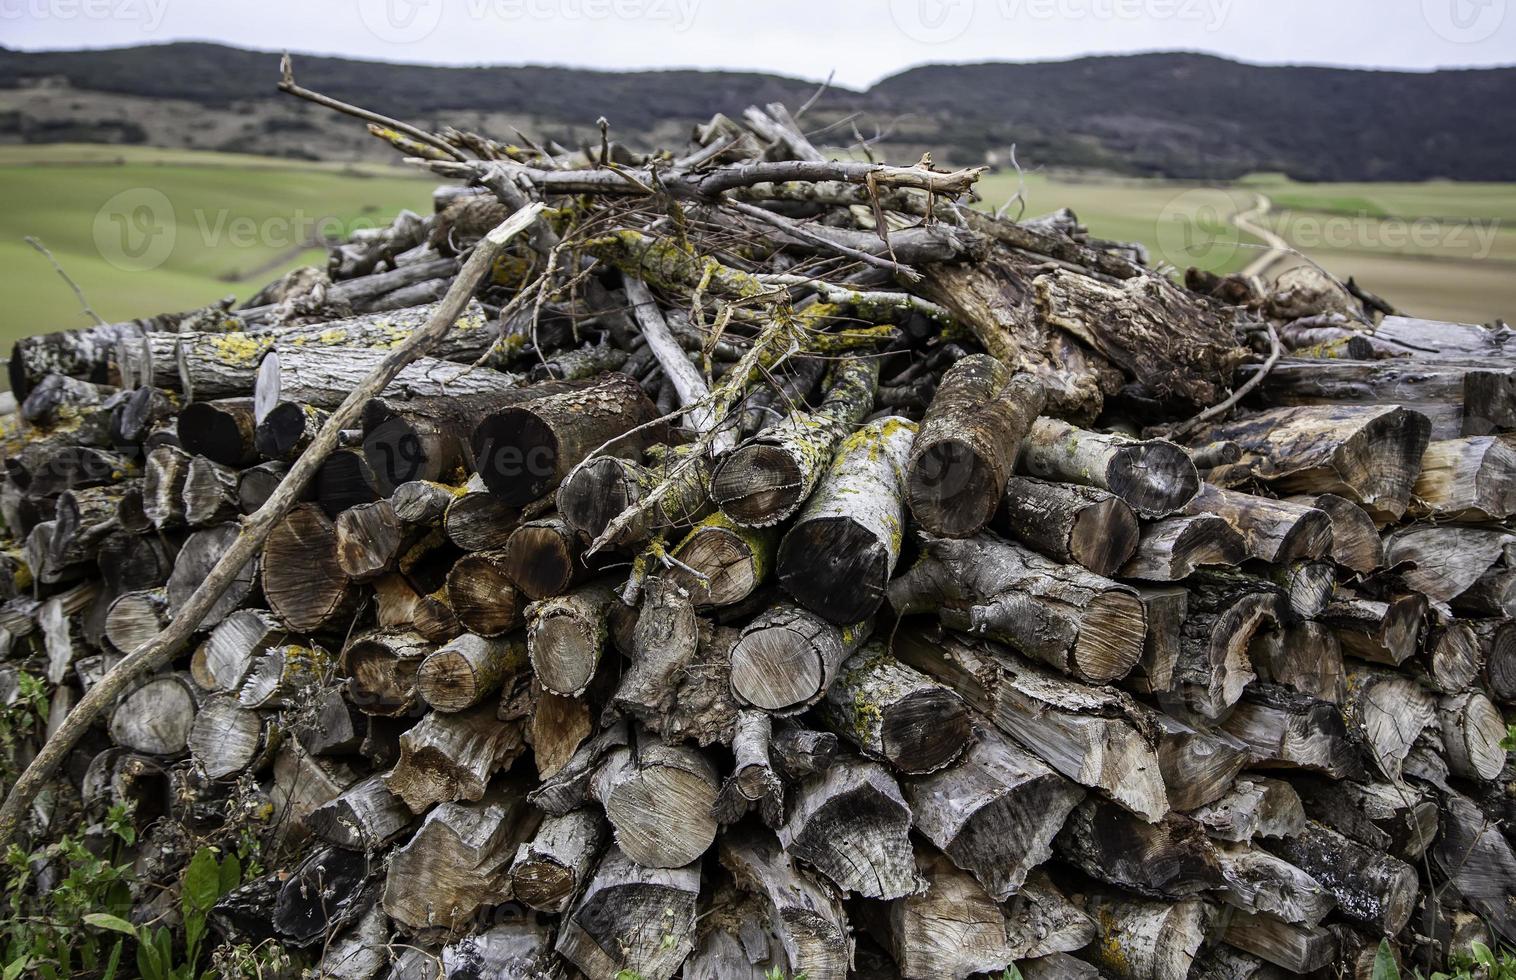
781	568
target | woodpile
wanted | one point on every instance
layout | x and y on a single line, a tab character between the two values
781	568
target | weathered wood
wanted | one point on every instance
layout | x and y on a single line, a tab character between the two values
551	868
302	577
804	914
451	756
323	894
210	493
1170	859
768	477
1255	806
369	538
482	595
839	554
659	799
1471	479
995	813
226	737
1355	538
422	501
754	778
1286	729
1381	632
1295	948
1304	657
852	825
1223	615
1070	523
222	431
1479	863
1098	737
723	562
199	554
1145	940
1497	641
787	657
633	919
1472	735
1372	888
344	479
1081	623
1397	819
1197	764
895	714
135	617
1155	477
967	445
163	486
364	817
157	715
1386	712
480	521
464	671
381	668
1446	560
1171	548
256	484
542	558
1272	530
565	636
602	488
1260	883
951	929
286	429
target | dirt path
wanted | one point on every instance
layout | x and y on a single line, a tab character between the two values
1278	248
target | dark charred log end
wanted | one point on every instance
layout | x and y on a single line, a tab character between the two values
396	451
595	494
16	372
344	480
921	734
215	432
1156	478
1105	536
1111	636
951	489
757	484
540	561
775	669
482	595
280	431
517	456
835	568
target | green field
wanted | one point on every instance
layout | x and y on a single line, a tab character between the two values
145	231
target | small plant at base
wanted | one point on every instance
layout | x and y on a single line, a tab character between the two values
1482	963
777	973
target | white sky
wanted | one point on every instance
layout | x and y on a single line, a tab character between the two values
862	40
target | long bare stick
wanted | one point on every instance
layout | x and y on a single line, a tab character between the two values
287	85
154	653
688	383
1221	408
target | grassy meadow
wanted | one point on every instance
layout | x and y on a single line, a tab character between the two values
144	230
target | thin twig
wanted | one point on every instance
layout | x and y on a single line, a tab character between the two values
1276	350
815	95
89	311
287	85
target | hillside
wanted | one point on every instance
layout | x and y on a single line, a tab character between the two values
1177	115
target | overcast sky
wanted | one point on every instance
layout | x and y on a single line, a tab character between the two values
862	40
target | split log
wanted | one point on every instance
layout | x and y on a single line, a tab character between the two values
1155	477
282	672
897	715
839	554
1355	538
1040	921
805	915
1497	641
524	451
769	476
1261	884
952	929
787	658
199	554
659	799
322	895
1395	819
664	641
1165	610
967	445
222	431
559	725
163	486
1295	948
463	672
1081	623
369	538
852	825
210	493
401	603
995	813
1071	523
1272	530
302	577
542	558
227	738
381	667
336	728
1283	728
551	869
482	594
1169	859
1479	862
1058	966
451	756
1471	479
458	862
1173	547
157	715
724	563
632	919
1370	887
1098	737
1446	560
1198	765
1369	454
1473	734
256	484
1144	940
1387	712
1255	806
1223	615
1379	632
565	636
1305	657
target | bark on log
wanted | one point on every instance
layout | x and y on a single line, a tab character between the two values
302	578
1173	547
344	480
550	869
805	915
897	715
1222	618
163	486
285	430
463	672
1471	479
381	668
1305	657
1372	888
967	445
480	521
1169	859
602	488
449	757
787	657
754	779
1080	623
852	825
633	919
483	595
1069	523
1272	530
364	817
1155	477
1395	819
839	554
1379	632
565	636
995	813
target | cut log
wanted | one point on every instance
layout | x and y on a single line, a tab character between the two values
659	799
1379	632
1261	884
324	893
632	920
1140	940
369	538
602	488
1098	737
565	636
163	486
542	558
422	501
1479	862
1255	806
1395	819
227	738
480	521
1165	609
852	825
1222	617
724	562
1058	966
335	727
1497	640
1355	538
282	672
1473	734
1286	729
1071	523
343	480
464	671
994	814
1305	657
1169	859
559	725
1197	764
897	715
1470	479
287	429
302	578
664	641
221	431
1387	712
805	915
157	715
381	668
256	484
524	451
364	817
199	554
839	554
458	862
1372	888
1272	530
753	779
1155	477
787	657
767	478
1370	454
1446	560
953	929
210	493
967	445
1040	921
135	618
450	757
482	594
550	869
1173	547
1295	948
1081	623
